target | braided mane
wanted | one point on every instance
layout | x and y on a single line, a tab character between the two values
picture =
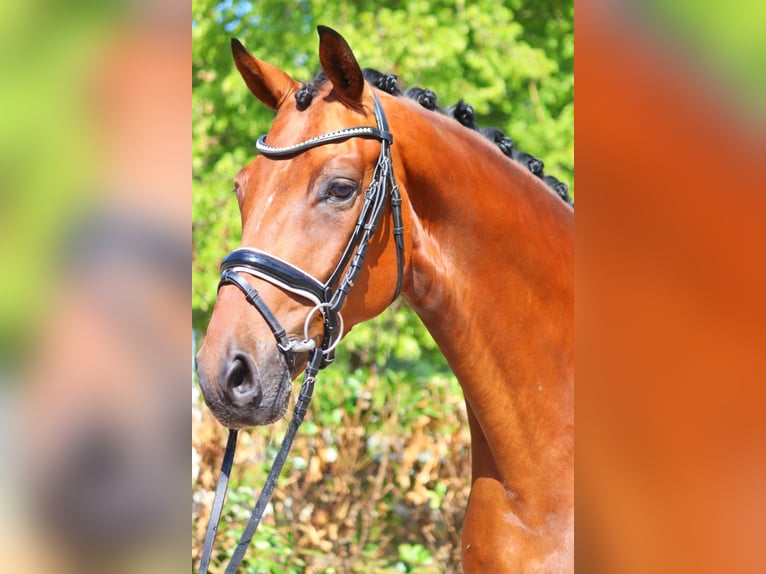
462	112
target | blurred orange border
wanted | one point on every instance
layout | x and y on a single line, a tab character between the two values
671	175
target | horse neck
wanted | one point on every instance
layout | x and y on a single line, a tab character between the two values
491	276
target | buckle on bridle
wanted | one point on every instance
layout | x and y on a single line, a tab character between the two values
294	346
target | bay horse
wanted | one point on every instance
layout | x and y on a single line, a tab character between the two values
481	249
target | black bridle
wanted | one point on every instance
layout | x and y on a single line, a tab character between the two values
328	298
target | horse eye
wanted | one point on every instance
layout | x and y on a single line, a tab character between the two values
341	190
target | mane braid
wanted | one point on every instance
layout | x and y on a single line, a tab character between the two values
462	112
424	97
388	83
501	140
533	164
305	94
561	188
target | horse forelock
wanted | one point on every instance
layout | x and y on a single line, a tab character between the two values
462	112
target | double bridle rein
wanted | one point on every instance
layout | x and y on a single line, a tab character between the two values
328	298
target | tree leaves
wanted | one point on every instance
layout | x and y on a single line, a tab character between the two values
512	61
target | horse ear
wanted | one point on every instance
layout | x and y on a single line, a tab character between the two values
340	65
269	84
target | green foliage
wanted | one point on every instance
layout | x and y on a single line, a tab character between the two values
378	477
512	61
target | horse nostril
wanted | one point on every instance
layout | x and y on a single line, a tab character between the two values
237	374
242	387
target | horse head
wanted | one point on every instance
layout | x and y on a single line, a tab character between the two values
307	204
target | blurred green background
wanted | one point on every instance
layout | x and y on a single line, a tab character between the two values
46	152
378	478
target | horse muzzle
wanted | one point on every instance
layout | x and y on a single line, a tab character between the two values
242	393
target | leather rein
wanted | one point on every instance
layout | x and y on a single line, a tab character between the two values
327	296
